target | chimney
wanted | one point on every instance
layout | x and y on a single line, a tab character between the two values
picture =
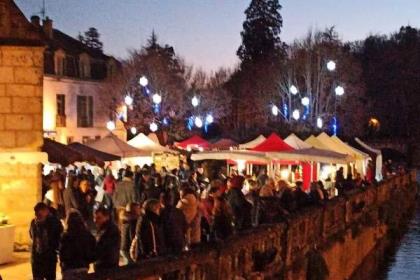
35	20
47	26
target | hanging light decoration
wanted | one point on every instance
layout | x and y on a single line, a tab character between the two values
157	98
209	119
319	122
305	101
296	114
110	125
331	65
128	100
195	101
275	110
339	91
153	126
133	130
293	90
198	122
143	81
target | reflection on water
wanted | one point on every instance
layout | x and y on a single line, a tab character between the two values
406	262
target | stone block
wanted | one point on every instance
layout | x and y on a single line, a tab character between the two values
2	90
19	122
29	139
21	90
27	105
5	105
37	122
17	57
38	57
6	75
7	139
2	119
28	75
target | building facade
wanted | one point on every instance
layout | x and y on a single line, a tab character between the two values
75	76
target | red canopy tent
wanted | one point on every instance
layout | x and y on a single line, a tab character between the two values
223	144
193	142
275	144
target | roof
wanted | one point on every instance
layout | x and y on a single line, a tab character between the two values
193	142
60	153
113	145
92	155
314	142
273	144
223	144
15	29
73	46
251	144
144	143
297	143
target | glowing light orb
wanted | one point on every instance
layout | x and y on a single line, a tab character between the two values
195	101
331	65
143	81
319	122
128	100
133	130
153	127
209	119
305	101
274	110
110	125
157	98
293	90
296	114
198	122
339	90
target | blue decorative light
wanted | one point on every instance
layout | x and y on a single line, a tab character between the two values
165	121
190	123
334	125
285	111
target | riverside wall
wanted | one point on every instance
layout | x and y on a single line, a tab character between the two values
342	240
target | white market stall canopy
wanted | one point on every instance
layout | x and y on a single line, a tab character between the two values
297	143
303	155
253	143
113	145
146	144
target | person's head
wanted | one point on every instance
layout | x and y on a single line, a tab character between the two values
299	185
271	183
186	190
169	199
41	211
145	174
152	205
75	223
102	216
84	186
237	182
314	186
282	185
128	173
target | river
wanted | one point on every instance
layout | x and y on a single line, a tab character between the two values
405	263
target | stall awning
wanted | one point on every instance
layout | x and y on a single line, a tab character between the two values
193	142
113	145
60	153
146	144
295	142
253	143
232	155
273	144
311	155
93	155
223	144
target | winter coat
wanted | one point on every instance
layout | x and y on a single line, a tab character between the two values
189	206
174	229
222	227
151	235
45	238
301	198
241	208
108	242
125	193
77	250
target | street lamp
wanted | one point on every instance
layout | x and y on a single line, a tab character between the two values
143	81
339	91
293	90
195	101
275	110
331	65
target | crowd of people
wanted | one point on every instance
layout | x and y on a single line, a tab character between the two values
144	213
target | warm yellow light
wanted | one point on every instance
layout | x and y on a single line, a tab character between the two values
241	165
284	174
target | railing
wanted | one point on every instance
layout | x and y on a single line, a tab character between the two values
274	249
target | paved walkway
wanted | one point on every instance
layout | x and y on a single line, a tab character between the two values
20	269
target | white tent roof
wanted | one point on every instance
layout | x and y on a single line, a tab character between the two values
231	155
144	143
253	143
153	137
113	145
297	143
314	142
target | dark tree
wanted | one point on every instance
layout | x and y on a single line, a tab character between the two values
91	38
261	31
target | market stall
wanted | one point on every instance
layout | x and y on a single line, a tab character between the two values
253	143
193	143
223	144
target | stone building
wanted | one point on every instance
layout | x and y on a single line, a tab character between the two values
74	78
21	134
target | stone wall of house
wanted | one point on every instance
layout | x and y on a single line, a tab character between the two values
21	134
329	242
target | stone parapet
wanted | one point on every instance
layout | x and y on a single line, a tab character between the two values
340	235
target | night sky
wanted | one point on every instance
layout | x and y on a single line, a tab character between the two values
207	32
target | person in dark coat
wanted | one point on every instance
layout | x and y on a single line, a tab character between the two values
108	241
45	231
151	230
128	229
316	196
301	198
222	226
174	225
72	196
77	248
241	208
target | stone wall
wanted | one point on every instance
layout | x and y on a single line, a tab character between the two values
21	135
329	242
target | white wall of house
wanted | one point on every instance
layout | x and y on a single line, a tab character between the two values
71	88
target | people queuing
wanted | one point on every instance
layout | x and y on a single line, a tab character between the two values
146	213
